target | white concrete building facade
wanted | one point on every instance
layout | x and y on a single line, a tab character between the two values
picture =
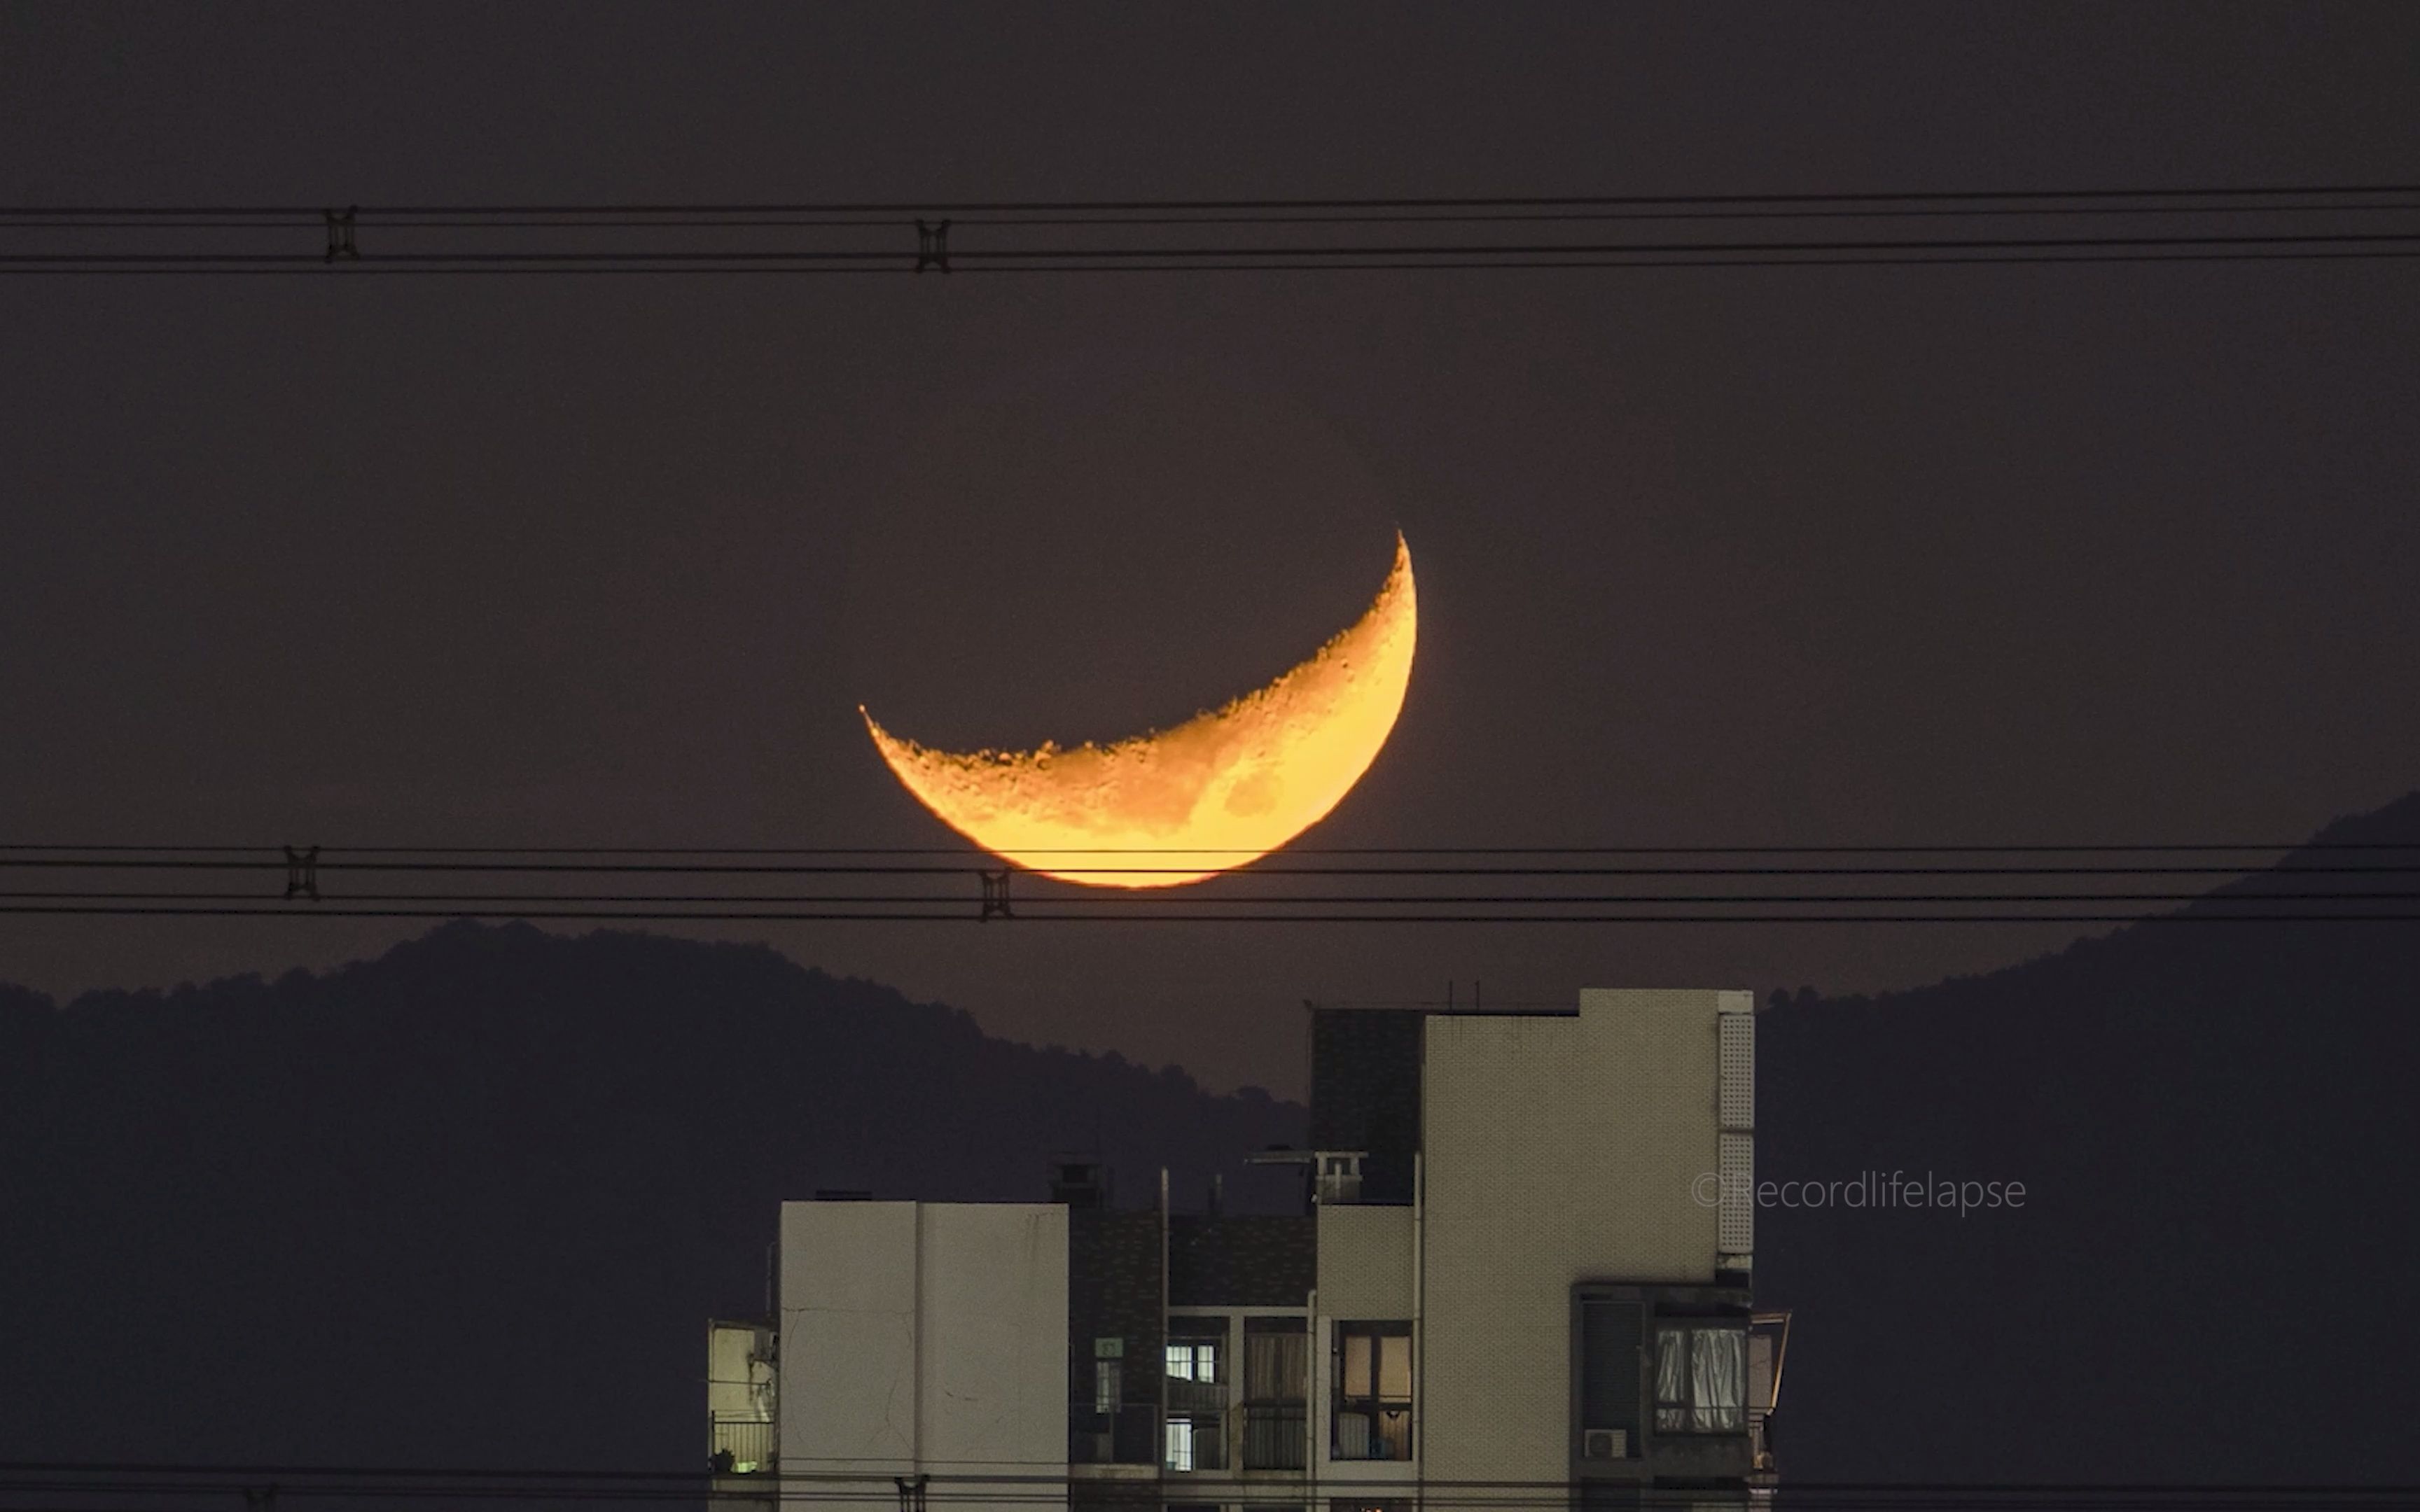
922	1339
1526	1260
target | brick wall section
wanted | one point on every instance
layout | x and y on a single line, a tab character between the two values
1365	1092
1241	1261
1113	1292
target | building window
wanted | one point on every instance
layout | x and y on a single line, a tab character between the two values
1195	1442
1196	1373
1372	1390
1700	1378
1277	1376
1102	1426
1108	1374
1194	1360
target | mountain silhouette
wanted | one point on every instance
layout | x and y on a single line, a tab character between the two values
471	1203
2216	1125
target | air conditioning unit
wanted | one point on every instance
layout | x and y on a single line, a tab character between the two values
1605	1443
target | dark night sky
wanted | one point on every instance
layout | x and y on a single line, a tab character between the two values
1713	556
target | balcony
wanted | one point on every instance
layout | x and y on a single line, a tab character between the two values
1196	1398
1277	1436
740	1446
1195	1442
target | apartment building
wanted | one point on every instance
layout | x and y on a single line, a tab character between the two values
1523	1271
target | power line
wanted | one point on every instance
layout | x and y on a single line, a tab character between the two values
47	1473
84	1479
2223	193
776	218
2339	221
2399	247
2361	881
962	914
1082	864
1135	898
1934	848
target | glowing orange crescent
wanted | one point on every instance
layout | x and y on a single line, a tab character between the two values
1224	788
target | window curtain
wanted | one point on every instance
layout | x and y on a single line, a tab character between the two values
1718	1374
1276	1367
1352	1436
1672	1380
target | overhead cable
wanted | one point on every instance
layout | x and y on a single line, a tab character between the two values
2302	223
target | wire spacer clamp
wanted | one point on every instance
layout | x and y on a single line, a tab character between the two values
341	245
303	872
933	245
995	896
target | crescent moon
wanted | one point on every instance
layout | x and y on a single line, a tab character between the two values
1221	789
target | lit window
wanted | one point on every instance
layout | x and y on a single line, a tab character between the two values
1195	1391
1373	1415
1108	1381
1193	1362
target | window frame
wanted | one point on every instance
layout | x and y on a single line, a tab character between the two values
1193	1349
1376	1405
1653	1451
1288	1412
1202	1406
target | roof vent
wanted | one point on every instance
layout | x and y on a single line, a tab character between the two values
1330	1175
1080	1182
1336	1176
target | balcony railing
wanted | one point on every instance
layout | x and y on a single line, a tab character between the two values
1368	1430
1277	1436
740	1448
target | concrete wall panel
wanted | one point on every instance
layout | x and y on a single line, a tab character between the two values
924	1338
1365	1261
995	1324
848	1334
1558	1151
